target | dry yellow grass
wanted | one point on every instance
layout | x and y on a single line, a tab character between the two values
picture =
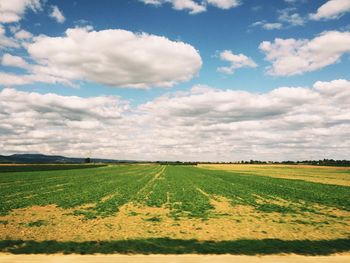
226	222
317	174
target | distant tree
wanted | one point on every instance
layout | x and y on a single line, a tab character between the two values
87	160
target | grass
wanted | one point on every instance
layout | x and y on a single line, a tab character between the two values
4	222
176	246
185	190
182	197
153	219
45	167
70	188
38	223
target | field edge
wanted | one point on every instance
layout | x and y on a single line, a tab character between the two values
178	246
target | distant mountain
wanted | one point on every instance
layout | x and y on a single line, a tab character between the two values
41	158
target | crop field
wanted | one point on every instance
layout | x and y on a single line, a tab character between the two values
317	174
151	208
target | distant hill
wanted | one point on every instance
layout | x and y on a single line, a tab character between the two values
42	158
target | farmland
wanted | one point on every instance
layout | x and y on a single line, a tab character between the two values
175	209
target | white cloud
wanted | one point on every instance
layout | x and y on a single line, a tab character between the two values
195	7
338	89
224	4
297	56
267	26
11	79
13	61
202	124
233	125
23	34
271	26
236	62
57	14
332	9
13	10
289	17
192	6
152	2
116	58
294	2
5	41
8	79
44	123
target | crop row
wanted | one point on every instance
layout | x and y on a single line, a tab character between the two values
185	190
70	188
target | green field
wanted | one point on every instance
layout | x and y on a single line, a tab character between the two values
172	209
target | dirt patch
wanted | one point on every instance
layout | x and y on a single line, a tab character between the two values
222	206
134	221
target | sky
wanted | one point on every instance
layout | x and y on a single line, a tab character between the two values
188	80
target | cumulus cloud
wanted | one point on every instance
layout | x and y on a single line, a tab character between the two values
296	56
290	17
332	9
192	6
11	79
49	122
224	4
288	122
195	7
287	18
13	10
13	61
5	41
202	124
152	2
117	58
271	26
23	35
236	62
57	14
266	25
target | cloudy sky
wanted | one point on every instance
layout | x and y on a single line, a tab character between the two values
209	80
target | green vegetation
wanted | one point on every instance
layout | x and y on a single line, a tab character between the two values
186	190
45	167
250	189
189	200
37	223
176	246
4	222
70	188
153	219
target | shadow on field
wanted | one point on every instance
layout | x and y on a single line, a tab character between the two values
177	246
45	167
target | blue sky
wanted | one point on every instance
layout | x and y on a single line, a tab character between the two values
209	32
208	48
